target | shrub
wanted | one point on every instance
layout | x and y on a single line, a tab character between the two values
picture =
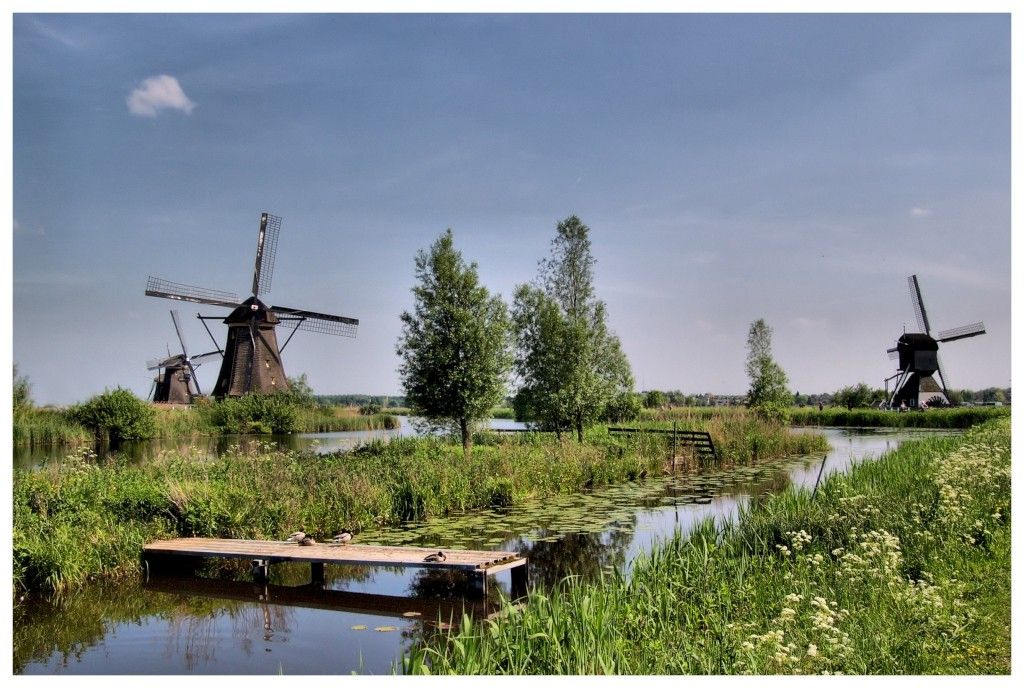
117	414
261	414
624	406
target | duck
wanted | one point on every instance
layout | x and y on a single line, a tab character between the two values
343	537
435	557
306	541
297	536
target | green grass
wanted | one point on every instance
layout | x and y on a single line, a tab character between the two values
78	519
38	427
739	435
960	417
901	566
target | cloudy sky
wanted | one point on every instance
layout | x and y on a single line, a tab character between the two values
792	167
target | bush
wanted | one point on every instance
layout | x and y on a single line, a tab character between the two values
261	414
117	414
625	406
772	412
370	409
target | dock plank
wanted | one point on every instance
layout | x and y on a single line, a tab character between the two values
359	555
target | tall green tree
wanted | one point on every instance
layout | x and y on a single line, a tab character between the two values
571	365
768	392
455	345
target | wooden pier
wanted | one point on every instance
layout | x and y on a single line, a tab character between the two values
478	564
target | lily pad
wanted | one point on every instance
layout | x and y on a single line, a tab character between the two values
385	629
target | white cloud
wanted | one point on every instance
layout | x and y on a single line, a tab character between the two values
920	212
159	93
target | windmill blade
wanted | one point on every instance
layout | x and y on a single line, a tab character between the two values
157	363
962	332
919	311
311	321
165	289
194	380
894	353
266	252
181	337
208	355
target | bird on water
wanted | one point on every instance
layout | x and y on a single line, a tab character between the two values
435	557
344	536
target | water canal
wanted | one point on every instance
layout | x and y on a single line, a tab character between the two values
363	619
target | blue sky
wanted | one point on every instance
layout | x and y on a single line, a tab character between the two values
792	167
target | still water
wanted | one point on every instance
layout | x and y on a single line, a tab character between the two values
363	619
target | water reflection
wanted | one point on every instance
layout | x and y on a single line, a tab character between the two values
147	450
222	623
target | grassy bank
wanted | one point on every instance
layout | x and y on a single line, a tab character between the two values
741	436
900	567
75	519
960	417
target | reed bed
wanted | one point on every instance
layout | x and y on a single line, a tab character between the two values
901	566
960	417
41	427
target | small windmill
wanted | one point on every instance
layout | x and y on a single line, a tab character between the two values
176	381
918	355
252	358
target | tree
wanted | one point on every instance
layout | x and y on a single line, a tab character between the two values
858	396
768	392
655	399
571	365
454	346
21	396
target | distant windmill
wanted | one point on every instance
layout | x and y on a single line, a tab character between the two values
918	355
252	358
176	381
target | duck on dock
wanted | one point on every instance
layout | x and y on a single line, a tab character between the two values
297	536
435	557
307	541
343	537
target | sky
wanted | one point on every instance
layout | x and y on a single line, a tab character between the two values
796	168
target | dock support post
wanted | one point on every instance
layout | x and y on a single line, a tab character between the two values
478	584
316	572
520	581
260	570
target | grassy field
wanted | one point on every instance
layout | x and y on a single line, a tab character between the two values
900	567
79	519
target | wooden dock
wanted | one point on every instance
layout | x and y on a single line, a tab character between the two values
478	564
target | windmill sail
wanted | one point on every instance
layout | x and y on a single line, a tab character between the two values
166	289
266	253
311	321
919	312
962	332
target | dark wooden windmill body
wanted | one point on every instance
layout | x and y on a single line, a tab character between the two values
252	358
176	381
919	361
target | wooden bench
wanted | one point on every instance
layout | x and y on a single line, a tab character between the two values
479	564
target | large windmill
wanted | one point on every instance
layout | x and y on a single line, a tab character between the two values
252	358
176	381
918	355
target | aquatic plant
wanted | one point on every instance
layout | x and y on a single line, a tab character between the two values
899	567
